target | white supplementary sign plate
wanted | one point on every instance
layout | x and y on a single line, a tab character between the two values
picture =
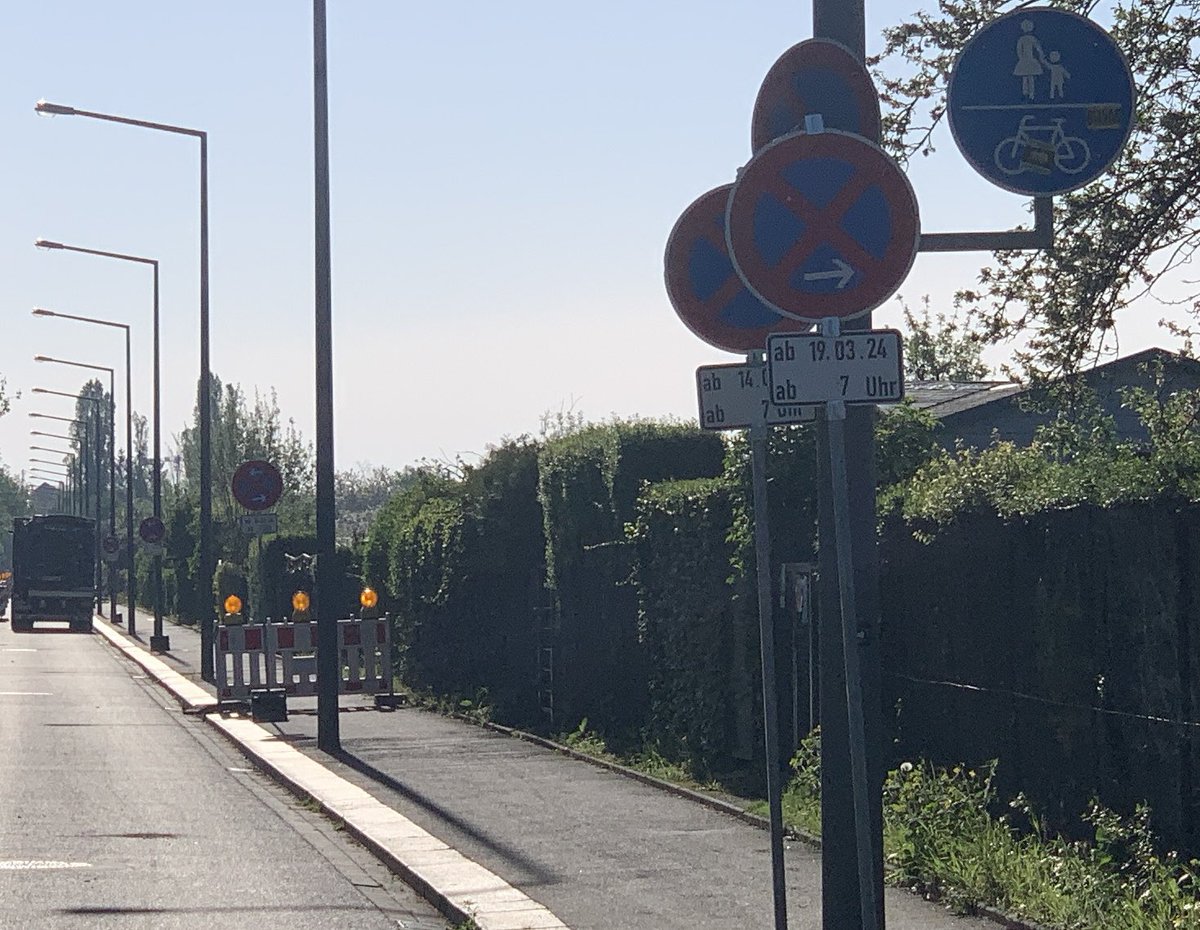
738	397
857	368
256	524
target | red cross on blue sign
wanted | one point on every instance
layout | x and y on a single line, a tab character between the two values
822	225
704	289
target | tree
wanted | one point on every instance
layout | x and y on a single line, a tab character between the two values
14	502
5	402
242	431
1131	230
939	349
361	491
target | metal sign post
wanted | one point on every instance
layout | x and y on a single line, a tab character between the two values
737	397
766	635
835	416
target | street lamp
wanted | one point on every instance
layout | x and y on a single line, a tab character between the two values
76	470
158	642
83	458
59	478
112	462
208	617
60	464
328	672
130	577
94	470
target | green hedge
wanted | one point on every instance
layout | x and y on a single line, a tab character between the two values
589	483
699	648
464	569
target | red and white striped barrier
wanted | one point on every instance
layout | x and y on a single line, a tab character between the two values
284	655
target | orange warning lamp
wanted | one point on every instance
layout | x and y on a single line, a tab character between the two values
300	603
233	610
370	603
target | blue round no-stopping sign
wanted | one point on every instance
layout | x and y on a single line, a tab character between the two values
705	290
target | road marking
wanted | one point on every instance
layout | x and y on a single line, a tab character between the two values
24	865
25	694
16	649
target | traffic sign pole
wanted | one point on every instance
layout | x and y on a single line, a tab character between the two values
835	416
842	889
766	636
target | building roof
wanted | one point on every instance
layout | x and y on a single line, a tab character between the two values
944	398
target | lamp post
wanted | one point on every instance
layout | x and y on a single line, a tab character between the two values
58	477
38	474
76	467
83	458
130	576
328	733
158	641
95	470
112	463
70	470
208	617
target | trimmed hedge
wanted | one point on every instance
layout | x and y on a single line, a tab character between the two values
588	485
464	576
700	649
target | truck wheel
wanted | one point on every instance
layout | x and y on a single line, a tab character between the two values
81	625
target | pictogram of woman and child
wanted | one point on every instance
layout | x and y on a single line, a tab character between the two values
1033	62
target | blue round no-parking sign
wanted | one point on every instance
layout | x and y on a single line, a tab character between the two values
1040	101
822	225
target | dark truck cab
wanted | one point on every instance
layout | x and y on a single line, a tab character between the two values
54	571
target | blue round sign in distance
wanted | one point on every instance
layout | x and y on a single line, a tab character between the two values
816	76
822	225
1041	101
257	485
704	289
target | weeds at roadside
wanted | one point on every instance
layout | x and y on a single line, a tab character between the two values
478	708
939	840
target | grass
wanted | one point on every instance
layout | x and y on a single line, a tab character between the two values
649	760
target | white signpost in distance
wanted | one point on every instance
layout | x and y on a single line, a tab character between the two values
738	397
854	368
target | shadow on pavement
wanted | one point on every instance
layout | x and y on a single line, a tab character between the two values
538	874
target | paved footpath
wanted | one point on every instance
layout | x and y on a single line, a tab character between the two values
555	842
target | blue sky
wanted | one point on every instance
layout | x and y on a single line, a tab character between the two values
504	178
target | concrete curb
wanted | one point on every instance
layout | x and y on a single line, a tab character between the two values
458	887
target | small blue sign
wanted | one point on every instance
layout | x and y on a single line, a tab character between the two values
1040	101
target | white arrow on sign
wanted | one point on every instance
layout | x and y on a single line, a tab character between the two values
842	270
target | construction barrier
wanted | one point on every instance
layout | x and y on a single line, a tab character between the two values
284	655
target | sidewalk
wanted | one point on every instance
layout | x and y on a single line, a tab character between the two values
598	850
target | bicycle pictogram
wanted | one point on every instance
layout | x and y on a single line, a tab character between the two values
1038	153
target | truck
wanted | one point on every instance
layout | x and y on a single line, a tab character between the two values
54	571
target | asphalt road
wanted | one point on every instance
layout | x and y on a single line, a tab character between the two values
117	810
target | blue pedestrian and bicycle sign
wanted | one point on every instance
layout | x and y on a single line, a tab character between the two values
1040	101
822	225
